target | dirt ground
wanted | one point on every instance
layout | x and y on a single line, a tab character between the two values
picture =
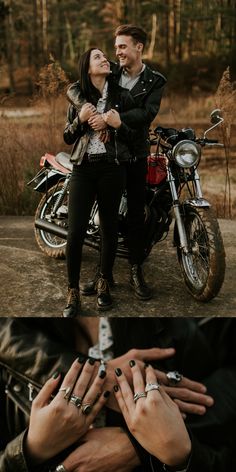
32	284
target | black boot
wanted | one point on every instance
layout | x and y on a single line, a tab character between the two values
90	288
142	291
104	300
73	303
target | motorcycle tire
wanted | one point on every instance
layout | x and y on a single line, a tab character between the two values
204	267
51	245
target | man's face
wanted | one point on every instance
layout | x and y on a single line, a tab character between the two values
127	51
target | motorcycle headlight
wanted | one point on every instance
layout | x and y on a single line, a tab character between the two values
186	153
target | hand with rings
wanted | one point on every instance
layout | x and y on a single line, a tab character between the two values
152	416
56	423
87	111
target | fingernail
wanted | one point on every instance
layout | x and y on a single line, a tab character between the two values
56	374
132	363
91	361
118	371
80	359
146	365
102	374
106	394
115	388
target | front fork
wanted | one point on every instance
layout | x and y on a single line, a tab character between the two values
198	201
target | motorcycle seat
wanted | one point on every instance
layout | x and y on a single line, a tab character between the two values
63	158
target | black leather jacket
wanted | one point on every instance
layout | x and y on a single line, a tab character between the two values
36	348
118	98
147	95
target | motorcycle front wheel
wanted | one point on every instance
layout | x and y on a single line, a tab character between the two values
203	267
50	244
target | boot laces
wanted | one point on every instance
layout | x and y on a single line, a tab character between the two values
102	285
73	295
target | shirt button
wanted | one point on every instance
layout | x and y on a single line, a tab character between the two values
150	80
144	90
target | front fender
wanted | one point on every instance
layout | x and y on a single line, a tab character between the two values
197	203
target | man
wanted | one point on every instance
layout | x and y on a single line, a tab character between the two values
146	87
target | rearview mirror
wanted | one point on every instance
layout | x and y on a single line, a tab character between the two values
216	116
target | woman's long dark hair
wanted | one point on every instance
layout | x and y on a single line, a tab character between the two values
88	90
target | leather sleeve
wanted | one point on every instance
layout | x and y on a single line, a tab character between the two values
12	459
145	114
73	129
35	348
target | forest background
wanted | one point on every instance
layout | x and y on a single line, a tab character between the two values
192	42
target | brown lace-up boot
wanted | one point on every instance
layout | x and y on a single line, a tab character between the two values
73	303
104	300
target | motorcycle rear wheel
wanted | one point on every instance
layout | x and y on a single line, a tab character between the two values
203	267
51	245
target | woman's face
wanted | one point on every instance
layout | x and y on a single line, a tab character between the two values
98	64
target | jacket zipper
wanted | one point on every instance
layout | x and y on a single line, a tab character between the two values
32	386
116	158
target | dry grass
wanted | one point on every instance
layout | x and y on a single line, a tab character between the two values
24	140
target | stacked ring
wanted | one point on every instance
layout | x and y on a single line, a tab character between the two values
77	401
151	386
139	395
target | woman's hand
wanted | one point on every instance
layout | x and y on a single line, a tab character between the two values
87	111
58	423
155	420
112	118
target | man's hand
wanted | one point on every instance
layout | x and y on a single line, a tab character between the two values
103	449
112	118
190	396
97	122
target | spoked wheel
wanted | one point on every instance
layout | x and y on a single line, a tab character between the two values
50	244
203	267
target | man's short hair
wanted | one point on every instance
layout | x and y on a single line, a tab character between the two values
137	33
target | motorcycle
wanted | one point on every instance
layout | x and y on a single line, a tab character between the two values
173	190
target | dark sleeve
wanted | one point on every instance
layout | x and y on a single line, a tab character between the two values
73	129
37	348
12	459
146	114
126	132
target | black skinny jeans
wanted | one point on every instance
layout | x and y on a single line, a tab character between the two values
104	181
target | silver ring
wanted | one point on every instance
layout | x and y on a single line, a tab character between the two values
77	401
61	468
139	395
86	408
174	377
67	391
151	386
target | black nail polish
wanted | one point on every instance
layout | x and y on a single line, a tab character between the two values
146	365
91	361
132	363
106	394
80	359
116	388
102	374
56	374
118	371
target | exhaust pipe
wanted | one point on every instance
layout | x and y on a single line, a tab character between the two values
51	228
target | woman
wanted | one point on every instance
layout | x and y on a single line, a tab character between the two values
98	170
